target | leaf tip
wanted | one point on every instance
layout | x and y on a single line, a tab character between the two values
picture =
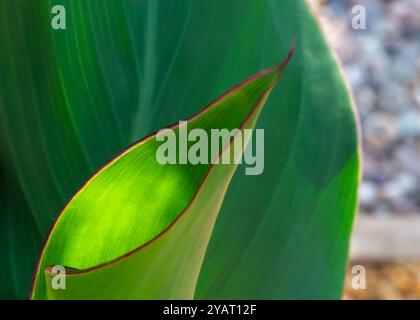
288	57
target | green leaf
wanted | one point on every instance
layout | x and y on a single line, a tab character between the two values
71	99
139	229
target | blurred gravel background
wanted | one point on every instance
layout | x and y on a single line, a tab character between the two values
382	64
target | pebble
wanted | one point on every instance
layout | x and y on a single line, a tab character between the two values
368	193
399	187
409	124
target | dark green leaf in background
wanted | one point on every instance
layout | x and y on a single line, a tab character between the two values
71	99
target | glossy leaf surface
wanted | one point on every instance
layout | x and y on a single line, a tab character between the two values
70	100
